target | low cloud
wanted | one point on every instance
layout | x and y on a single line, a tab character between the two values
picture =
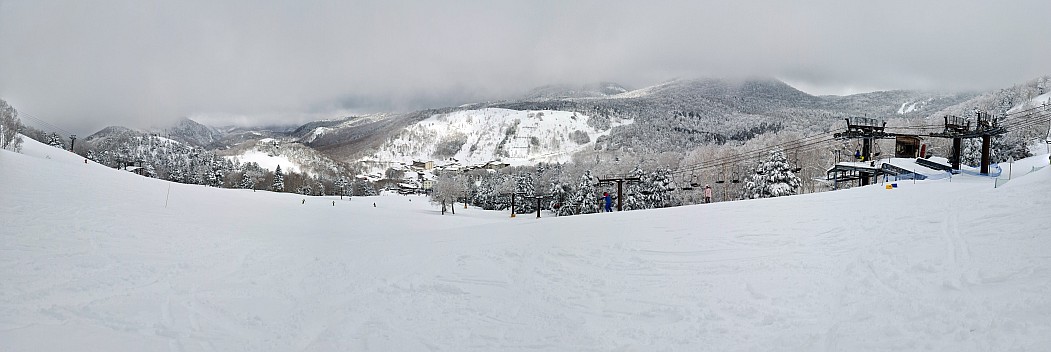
89	64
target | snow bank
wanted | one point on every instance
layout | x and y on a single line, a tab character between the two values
97	259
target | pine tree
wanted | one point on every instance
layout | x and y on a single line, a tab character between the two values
177	173
1002	148
363	188
559	193
246	180
972	152
773	178
279	180
585	200
215	177
657	187
634	194
319	187
524	186
341	185
55	141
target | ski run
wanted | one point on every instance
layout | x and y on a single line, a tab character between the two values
96	259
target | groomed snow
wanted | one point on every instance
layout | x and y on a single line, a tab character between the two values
94	259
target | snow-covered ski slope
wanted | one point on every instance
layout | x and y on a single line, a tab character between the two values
518	137
93	259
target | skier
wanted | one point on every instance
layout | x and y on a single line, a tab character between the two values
609	201
707	194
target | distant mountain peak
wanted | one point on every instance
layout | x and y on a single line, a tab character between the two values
566	91
191	132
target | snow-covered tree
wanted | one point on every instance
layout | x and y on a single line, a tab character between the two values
657	187
215	176
247	182
585	200
361	187
279	180
55	141
341	186
447	190
9	127
319	187
149	170
1002	148
559	196
772	178
524	186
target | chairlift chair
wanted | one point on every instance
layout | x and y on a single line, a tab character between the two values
686	186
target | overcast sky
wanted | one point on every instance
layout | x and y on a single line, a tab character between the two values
87	64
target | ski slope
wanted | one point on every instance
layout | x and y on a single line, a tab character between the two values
94	259
267	161
474	137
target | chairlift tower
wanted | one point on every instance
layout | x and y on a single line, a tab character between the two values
866	129
538	198
959	128
620	186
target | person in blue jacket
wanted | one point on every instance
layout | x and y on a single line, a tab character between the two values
609	201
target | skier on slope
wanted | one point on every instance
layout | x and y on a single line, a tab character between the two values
707	194
609	201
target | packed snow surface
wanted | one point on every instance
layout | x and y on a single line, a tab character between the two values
95	259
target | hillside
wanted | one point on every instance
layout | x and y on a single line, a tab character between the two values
100	259
515	136
674	116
